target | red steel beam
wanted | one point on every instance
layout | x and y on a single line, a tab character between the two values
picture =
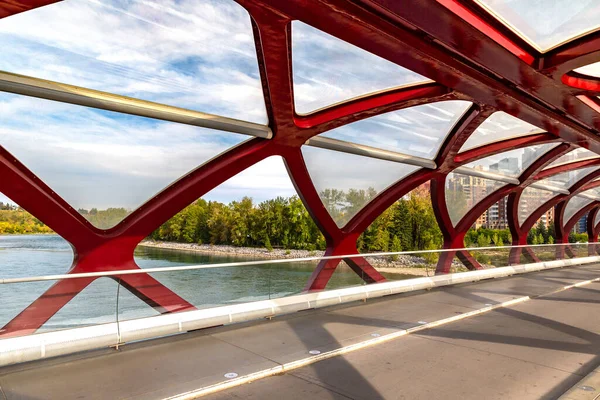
498	74
482	206
113	249
592	229
493	32
374	104
562	234
572	166
585	83
506	82
502	146
570	56
583	184
12	7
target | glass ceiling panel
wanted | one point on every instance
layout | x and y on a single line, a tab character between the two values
417	131
597	219
265	180
595	192
98	160
193	54
499	126
575	155
327	70
531	199
546	24
575	204
590	70
347	182
463	192
511	163
567	179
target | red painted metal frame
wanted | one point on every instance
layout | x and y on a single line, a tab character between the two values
12	7
467	52
487	28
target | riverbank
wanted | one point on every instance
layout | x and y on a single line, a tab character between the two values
404	264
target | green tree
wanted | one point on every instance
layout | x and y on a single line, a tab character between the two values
552	231
495	238
483	240
268	244
333	200
396	247
540	239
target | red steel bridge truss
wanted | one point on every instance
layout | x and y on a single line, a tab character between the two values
466	53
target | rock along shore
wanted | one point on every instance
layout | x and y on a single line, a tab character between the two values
404	264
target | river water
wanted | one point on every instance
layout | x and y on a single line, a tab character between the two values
35	255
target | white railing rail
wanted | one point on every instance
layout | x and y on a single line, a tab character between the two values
50	344
268	261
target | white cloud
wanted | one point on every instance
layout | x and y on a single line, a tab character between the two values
417	131
198	55
263	181
499	126
100	159
328	70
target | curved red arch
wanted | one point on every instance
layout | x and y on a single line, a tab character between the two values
491	69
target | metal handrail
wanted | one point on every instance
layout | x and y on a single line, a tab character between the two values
45	89
4	281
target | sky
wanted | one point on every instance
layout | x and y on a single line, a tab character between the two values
195	54
198	55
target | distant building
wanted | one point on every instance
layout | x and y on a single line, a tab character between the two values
547	218
506	166
581	225
475	189
496	215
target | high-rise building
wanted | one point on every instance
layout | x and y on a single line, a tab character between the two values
506	166
581	225
496	215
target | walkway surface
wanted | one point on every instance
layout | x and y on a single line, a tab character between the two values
536	349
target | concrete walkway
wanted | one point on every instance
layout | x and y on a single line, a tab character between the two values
537	349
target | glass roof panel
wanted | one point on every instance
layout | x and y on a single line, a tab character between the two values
327	70
102	163
265	180
347	182
575	204
590	70
546	24
511	163
499	126
192	54
597	219
594	192
565	180
575	155
463	192
531	199
417	131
